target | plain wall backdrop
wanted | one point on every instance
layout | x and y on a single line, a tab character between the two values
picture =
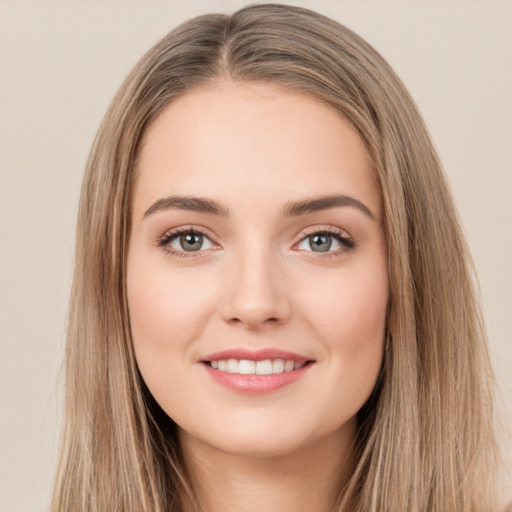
60	64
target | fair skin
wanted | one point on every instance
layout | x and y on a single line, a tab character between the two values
261	273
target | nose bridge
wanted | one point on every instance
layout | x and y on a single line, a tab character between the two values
255	294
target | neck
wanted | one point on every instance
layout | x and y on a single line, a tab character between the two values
308	479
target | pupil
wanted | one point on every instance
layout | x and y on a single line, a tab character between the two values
191	241
320	243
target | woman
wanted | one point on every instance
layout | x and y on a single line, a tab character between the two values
272	305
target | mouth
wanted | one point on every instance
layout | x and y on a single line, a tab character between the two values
250	367
256	372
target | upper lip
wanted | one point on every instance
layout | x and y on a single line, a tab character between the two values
256	355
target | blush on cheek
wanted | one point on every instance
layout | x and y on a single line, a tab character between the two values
351	321
360	314
168	306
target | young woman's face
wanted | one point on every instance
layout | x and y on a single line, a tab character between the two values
256	247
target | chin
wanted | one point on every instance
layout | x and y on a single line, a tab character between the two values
247	442
268	437
259	447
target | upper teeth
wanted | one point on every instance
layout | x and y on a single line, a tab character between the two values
247	367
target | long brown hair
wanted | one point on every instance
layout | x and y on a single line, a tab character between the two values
426	439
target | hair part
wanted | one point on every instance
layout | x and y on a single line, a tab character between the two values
426	439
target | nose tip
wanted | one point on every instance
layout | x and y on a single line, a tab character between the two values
256	298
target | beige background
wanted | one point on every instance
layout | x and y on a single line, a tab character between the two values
60	64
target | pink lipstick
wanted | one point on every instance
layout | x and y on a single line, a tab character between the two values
256	371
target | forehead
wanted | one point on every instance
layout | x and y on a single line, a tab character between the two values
252	140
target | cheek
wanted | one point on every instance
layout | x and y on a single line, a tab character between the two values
349	318
352	308
168	312
168	308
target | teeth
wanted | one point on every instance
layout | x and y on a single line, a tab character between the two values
289	365
264	367
232	366
247	367
278	366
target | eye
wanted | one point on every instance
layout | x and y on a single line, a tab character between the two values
326	241
187	240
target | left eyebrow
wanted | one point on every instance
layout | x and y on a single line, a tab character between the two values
313	205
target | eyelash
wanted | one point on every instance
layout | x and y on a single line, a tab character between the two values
347	242
168	237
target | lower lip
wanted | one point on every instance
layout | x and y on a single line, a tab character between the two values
257	384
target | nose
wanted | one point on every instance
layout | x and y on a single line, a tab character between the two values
255	295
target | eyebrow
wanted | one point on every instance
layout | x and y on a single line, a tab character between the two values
291	209
324	203
195	204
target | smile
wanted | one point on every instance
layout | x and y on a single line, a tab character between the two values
256	371
248	367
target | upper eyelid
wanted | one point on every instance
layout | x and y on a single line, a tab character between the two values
303	233
330	230
186	229
342	236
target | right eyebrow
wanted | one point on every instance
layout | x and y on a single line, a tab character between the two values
196	204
